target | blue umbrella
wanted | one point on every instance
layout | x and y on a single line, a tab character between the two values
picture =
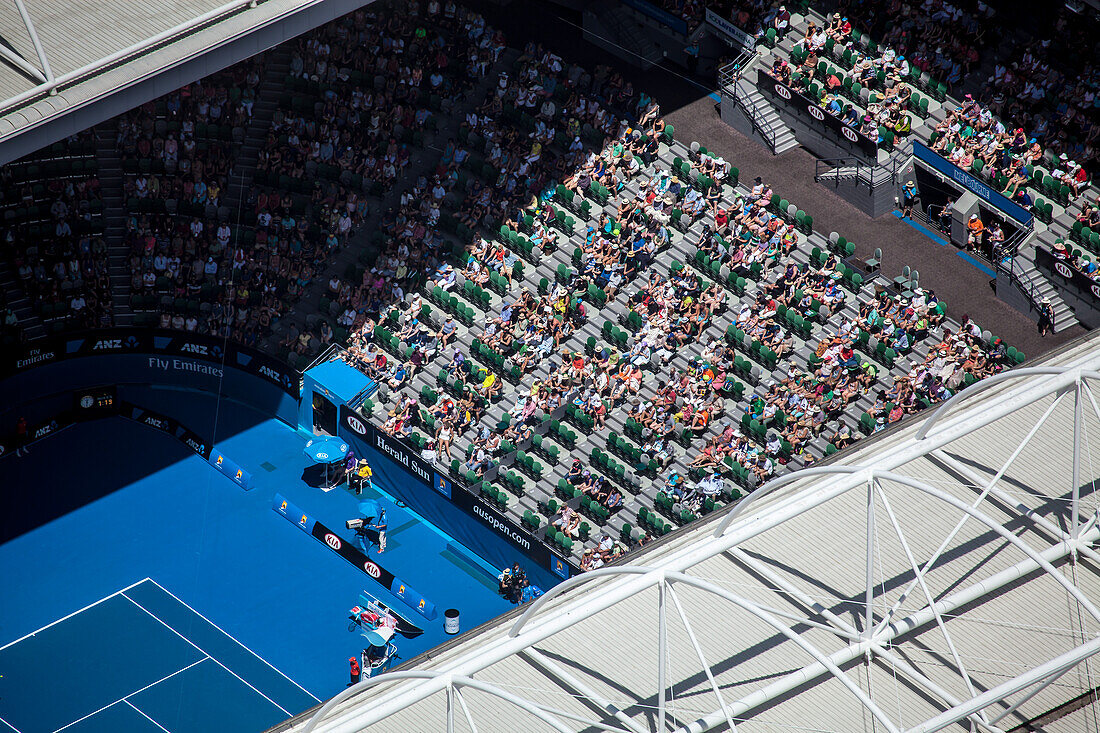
326	449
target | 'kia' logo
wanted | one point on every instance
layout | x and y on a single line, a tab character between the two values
333	541
850	134
356	424
815	112
1062	270
783	91
372	570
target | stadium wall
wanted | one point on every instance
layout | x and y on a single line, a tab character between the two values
145	365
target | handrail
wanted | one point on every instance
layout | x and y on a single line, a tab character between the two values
728	77
877	175
1004	262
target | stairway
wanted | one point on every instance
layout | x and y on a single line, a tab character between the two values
757	115
114	217
611	26
276	67
764	117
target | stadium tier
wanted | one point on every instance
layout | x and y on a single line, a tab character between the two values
526	277
595	325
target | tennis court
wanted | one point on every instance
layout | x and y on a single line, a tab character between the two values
128	661
229	575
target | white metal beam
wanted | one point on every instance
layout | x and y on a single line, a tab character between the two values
570	680
846	630
47	73
1001	692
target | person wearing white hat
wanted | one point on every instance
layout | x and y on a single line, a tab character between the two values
1046	316
908	198
976	229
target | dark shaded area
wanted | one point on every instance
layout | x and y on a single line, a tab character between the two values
33	500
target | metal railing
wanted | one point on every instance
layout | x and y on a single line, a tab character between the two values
857	170
1005	264
729	77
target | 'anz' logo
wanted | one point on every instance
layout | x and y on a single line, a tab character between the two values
104	344
195	349
355	424
333	541
156	422
270	373
372	570
195	445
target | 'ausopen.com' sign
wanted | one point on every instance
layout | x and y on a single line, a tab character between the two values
811	113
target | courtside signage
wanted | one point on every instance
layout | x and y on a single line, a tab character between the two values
347	550
197	353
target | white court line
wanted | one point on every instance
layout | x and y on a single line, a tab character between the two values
219	628
10	725
227	669
142	712
74	613
143	689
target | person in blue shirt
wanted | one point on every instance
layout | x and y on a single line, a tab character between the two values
398	377
908	198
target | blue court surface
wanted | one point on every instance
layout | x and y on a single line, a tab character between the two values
187	604
141	659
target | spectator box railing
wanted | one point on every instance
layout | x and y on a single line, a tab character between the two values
816	118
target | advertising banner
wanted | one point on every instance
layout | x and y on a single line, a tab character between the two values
300	519
399	451
347	550
156	420
994	198
811	113
1087	288
731	32
174	351
230	469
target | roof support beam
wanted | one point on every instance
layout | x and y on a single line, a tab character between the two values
990	697
48	74
909	624
561	674
21	63
846	630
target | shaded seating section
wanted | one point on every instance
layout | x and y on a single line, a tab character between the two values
54	230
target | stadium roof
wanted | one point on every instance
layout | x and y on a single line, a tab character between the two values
61	56
940	576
